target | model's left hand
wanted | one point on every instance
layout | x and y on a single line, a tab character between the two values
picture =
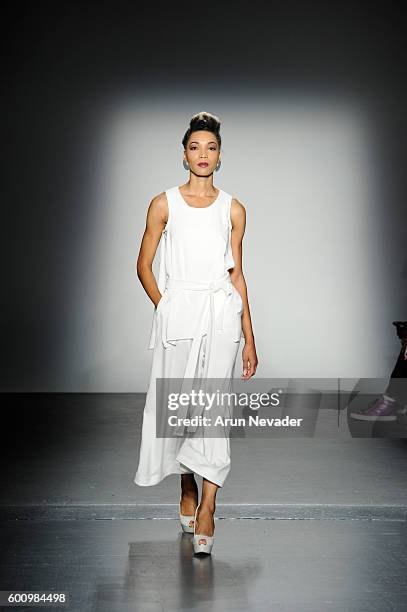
250	361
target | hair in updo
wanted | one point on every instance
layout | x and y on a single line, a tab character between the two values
203	121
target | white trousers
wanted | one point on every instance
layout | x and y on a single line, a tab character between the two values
208	457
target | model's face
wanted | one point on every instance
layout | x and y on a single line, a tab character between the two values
202	148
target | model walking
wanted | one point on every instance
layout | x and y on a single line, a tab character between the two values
201	311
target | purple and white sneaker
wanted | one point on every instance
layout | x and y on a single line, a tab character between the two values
382	409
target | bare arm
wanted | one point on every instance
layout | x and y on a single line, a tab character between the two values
238	218
157	217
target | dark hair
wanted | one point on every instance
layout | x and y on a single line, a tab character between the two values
203	121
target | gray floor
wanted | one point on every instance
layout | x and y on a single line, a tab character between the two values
302	524
112	566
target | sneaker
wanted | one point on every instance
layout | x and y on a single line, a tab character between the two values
382	409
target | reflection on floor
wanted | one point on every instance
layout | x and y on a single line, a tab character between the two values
146	565
311	524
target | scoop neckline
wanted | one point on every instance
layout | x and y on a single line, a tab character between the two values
198	207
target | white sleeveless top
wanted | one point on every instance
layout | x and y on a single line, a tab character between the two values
195	247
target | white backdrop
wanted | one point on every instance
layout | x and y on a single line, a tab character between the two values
321	281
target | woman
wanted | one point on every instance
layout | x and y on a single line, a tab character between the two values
201	310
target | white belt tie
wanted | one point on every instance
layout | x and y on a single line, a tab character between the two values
174	285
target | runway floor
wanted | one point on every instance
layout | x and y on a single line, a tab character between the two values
310	524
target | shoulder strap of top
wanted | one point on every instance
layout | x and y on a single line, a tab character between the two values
171	195
229	207
229	260
162	275
227	203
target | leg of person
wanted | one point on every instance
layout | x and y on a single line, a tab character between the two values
157	457
205	521
397	388
189	495
385	406
208	452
